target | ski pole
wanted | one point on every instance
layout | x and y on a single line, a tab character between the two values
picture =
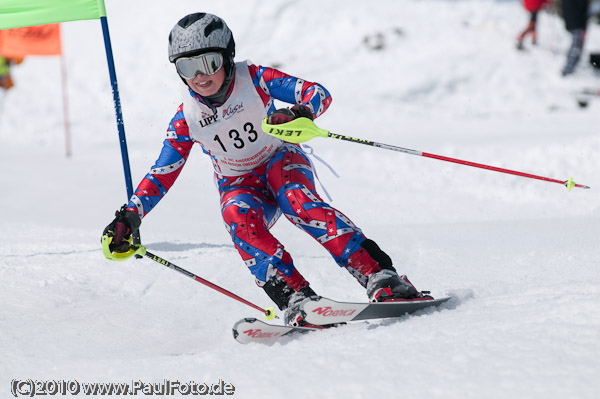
140	250
303	129
269	312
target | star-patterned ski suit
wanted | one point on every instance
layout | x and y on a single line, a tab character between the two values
259	177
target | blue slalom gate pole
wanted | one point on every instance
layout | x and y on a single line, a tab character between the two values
119	115
117	103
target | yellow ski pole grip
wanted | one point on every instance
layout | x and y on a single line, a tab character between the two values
295	131
120	256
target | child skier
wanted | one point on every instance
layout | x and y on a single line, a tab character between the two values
259	176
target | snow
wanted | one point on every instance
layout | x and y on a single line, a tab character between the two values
520	255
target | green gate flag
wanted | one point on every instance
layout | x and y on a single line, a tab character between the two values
20	13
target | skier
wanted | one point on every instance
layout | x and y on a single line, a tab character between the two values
575	13
259	176
533	7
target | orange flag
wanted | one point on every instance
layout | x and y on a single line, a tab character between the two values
32	40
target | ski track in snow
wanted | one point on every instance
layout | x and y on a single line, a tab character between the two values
521	256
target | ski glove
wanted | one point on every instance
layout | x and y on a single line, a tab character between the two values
121	228
285	115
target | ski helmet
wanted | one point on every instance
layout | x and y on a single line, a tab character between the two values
198	33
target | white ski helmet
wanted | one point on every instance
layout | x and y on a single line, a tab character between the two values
198	33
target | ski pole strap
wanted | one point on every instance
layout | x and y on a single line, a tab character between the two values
311	153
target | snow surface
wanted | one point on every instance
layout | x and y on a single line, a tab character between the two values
520	255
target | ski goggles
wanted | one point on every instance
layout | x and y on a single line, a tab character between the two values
203	64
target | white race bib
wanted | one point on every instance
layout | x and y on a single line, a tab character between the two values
232	137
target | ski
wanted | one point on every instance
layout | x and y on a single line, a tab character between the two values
321	311
253	330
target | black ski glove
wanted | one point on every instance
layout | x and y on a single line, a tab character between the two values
285	115
121	228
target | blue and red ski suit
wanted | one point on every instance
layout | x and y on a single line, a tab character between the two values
253	197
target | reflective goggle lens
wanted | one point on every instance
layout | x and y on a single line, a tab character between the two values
203	64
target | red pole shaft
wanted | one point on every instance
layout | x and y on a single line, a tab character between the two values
228	293
448	159
488	167
199	279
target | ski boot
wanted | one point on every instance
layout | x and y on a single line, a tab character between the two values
388	286
294	316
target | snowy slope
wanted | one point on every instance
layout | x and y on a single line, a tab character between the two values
520	255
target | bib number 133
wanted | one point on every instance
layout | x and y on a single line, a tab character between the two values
239	139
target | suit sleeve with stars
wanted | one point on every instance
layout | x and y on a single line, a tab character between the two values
270	84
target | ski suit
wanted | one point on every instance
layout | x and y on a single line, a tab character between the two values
259	177
575	15
534	5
